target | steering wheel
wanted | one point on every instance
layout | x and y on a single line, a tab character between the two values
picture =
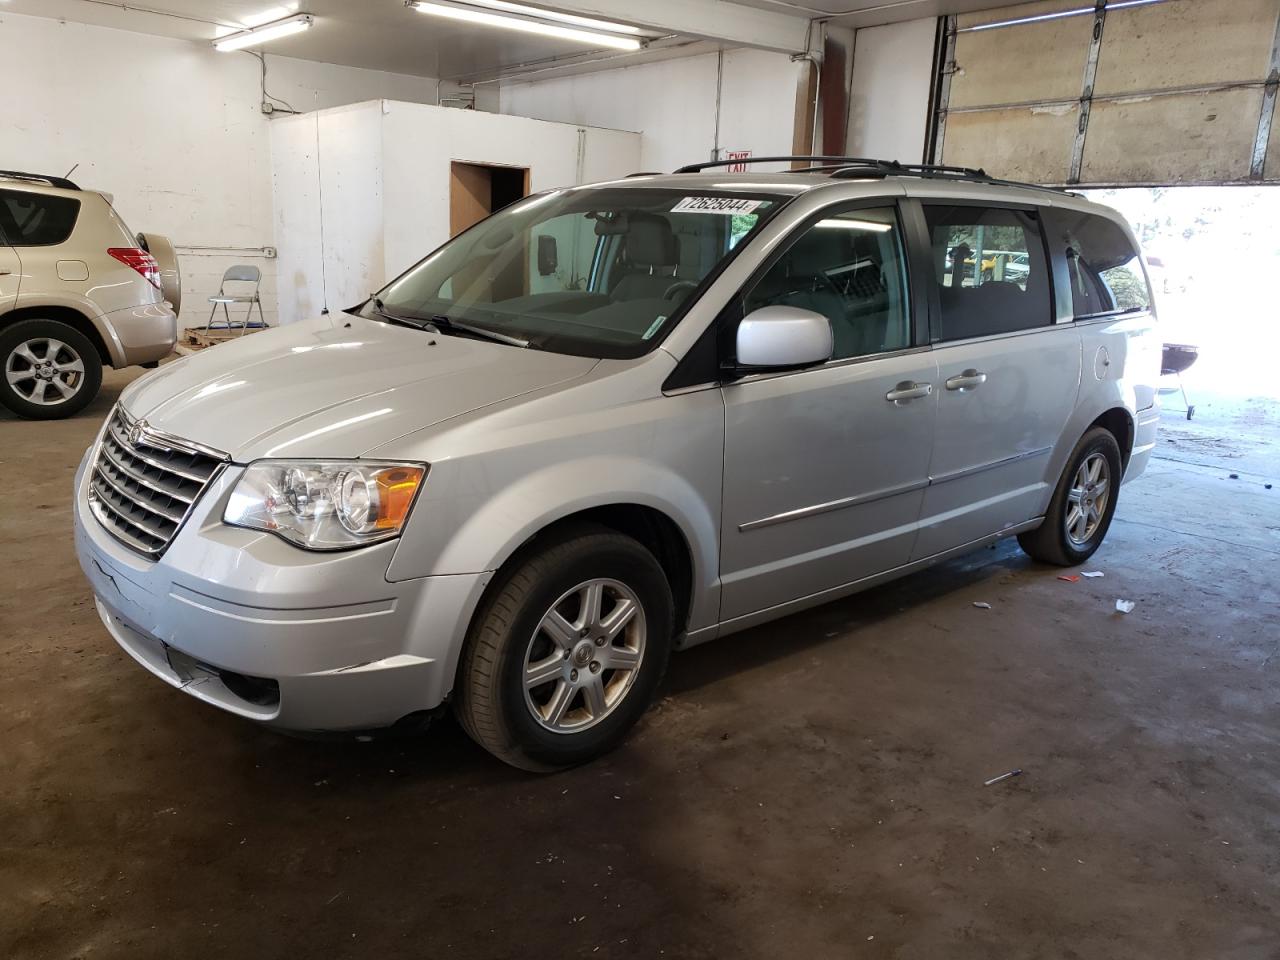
678	286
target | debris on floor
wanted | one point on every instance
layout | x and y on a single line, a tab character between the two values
1125	606
981	605
1070	577
1092	573
1003	776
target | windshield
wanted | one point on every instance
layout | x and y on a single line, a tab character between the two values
595	272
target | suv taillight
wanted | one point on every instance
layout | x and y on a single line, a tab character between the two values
139	260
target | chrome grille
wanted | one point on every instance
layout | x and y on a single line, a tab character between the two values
145	482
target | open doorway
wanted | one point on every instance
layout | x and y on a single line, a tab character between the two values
1214	259
478	189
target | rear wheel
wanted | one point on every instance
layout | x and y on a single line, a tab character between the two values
565	655
1080	512
51	370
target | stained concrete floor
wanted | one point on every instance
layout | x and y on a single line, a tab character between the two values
812	788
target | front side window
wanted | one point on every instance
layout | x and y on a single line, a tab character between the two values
1102	262
36	219
990	269
594	272
848	267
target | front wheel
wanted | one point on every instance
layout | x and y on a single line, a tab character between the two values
1080	512
566	653
51	370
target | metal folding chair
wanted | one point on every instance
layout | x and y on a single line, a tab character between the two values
240	275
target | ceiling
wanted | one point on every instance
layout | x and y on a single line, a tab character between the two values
385	35
376	34
870	13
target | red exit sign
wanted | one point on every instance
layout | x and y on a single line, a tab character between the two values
737	155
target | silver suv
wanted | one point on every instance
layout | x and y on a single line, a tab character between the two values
77	291
612	421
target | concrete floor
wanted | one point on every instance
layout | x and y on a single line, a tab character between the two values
813	788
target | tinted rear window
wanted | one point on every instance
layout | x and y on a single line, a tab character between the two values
36	220
1102	263
990	269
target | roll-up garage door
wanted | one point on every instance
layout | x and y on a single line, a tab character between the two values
1127	92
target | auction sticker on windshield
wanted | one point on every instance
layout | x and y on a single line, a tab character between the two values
725	206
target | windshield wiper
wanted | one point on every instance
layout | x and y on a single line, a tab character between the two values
381	310
445	324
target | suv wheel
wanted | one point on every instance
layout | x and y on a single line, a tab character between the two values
565	655
1082	506
51	370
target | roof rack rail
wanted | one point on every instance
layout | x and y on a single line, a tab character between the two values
62	183
934	171
825	160
851	167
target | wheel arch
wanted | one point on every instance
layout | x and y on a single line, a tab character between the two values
646	524
1118	421
68	315
650	527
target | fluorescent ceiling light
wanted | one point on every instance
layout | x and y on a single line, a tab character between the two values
469	15
264	33
527	11
269	15
1059	15
843	224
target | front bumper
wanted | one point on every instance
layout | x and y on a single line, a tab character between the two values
297	640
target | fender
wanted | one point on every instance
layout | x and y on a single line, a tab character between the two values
500	525
1119	372
81	305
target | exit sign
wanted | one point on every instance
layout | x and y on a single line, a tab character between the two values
741	155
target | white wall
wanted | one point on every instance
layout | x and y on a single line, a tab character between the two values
672	104
373	180
889	92
170	127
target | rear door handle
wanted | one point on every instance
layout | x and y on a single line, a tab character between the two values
908	390
967	380
5	273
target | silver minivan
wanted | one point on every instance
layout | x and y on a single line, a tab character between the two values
612	421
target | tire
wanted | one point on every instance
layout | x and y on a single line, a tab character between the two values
1067	537
510	633
73	380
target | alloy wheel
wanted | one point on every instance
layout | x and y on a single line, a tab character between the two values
1087	499
44	371
584	656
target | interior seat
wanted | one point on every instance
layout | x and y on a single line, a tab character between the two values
653	254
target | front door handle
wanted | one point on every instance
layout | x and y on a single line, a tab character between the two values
967	380
5	273
908	390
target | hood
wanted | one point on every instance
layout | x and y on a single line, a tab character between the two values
334	387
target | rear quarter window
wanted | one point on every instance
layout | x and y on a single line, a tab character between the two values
1102	264
35	219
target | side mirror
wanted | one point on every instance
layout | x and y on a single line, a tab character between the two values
780	338
548	256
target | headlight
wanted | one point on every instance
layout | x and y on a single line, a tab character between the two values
327	505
